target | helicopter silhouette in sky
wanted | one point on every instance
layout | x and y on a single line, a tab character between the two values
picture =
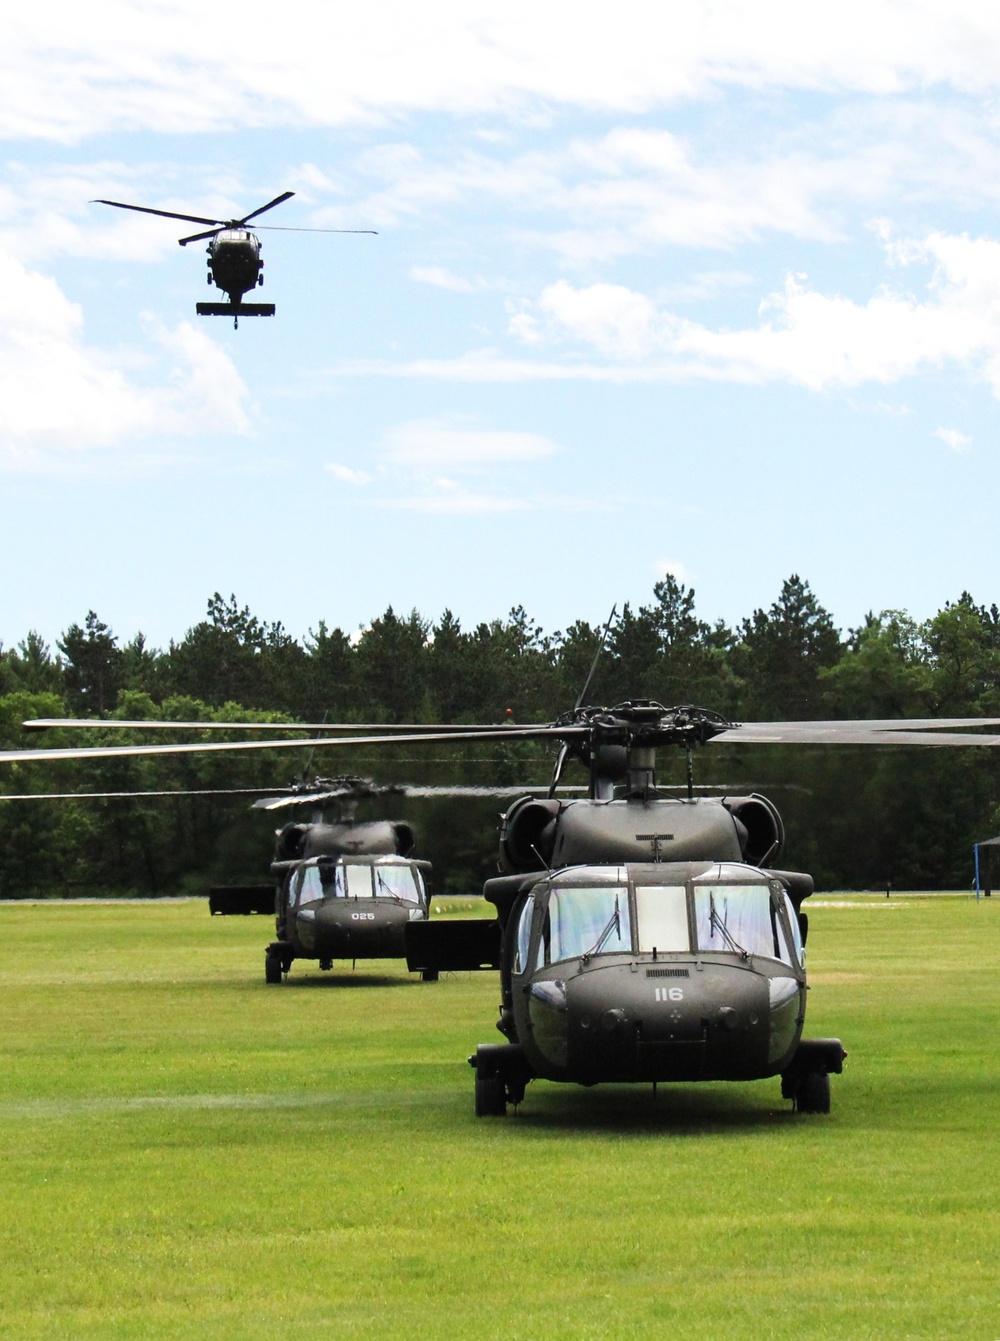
234	261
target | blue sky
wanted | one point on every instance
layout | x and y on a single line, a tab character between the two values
711	289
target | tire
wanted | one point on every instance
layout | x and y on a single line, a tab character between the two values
812	1094
428	975
272	969
491	1099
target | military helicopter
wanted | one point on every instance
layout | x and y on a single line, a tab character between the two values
234	261
640	937
644	937
346	890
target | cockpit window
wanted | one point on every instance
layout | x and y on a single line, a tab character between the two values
524	935
735	918
395	882
587	922
359	881
793	922
661	912
311	886
334	882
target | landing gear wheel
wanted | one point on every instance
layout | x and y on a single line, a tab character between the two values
428	975
812	1094
272	968
491	1096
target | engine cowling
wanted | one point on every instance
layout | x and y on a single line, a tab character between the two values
761	823
298	841
527	834
538	833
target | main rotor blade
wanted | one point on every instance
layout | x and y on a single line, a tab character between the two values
164	214
198	237
135	751
877	723
283	228
45	723
892	732
357	789
459	791
104	796
918	731
287	195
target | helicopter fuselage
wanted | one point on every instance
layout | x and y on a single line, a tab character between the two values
659	971
234	262
345	907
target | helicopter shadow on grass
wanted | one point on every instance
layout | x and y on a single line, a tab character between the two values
624	1111
346	980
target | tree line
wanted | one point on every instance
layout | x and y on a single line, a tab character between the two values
856	818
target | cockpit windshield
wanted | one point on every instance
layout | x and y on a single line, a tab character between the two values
737	918
587	922
336	880
396	882
746	918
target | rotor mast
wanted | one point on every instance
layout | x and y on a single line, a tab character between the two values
624	739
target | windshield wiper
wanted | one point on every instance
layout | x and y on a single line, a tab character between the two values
716	921
614	924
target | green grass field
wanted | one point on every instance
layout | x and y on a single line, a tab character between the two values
189	1153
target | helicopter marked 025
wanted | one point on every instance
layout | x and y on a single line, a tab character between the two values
590	916
346	890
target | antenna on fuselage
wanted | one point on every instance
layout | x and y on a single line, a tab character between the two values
582	696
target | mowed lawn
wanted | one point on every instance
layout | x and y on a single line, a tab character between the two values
187	1152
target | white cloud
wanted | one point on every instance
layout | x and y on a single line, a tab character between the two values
616	320
423	443
633	190
675	569
640	189
442	279
183	66
450	466
629	191
958	442
349	476
489	365
447	500
60	396
803	338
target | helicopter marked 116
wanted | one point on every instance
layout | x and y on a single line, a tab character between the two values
641	937
234	261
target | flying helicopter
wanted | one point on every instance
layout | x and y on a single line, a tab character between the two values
234	260
641	937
